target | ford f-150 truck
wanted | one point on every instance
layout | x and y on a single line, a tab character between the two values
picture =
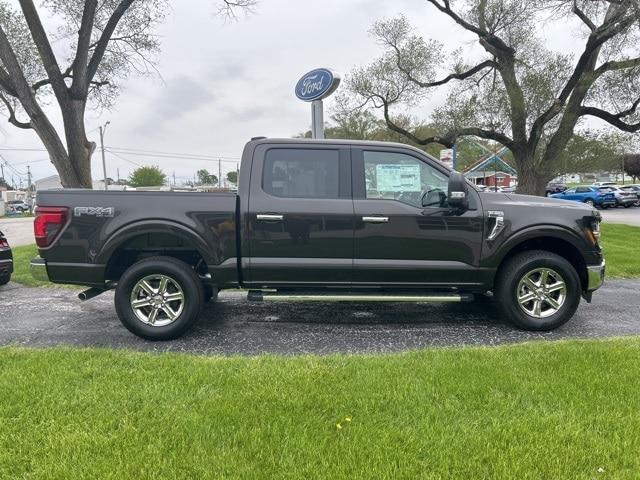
322	220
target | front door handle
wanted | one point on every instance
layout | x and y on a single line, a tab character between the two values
269	217
375	219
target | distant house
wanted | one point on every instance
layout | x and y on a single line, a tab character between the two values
491	171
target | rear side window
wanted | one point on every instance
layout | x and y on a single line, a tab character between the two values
301	173
583	189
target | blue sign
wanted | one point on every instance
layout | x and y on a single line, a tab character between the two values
317	84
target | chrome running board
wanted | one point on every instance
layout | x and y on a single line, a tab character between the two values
271	296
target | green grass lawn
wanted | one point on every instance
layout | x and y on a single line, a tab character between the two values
621	244
543	410
21	258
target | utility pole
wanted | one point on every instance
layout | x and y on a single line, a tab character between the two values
104	162
1	170
118	173
174	178
29	184
219	173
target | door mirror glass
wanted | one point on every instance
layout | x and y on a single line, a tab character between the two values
434	198
457	197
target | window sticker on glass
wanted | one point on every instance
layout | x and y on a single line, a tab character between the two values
398	178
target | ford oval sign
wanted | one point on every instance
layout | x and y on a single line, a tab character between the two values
317	84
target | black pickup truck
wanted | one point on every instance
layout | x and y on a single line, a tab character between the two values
322	220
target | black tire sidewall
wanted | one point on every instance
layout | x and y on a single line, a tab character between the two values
177	270
4	279
514	271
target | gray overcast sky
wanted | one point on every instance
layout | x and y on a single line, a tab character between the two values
224	82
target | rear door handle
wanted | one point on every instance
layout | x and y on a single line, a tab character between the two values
269	217
375	219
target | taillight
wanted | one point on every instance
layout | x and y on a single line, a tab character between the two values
4	243
48	224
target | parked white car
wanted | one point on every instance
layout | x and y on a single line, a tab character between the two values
16	206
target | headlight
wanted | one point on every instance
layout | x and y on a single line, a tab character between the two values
593	228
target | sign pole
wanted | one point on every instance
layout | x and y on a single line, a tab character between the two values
317	119
312	87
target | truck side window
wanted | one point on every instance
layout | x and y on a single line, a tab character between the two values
401	177
301	173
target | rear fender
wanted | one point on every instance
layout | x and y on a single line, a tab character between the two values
121	236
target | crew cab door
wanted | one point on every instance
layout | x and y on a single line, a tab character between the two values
300	216
398	241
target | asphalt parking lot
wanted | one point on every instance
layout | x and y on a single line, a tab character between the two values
46	317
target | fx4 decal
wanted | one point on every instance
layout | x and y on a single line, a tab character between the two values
94	211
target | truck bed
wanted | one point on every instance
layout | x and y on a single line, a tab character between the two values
101	223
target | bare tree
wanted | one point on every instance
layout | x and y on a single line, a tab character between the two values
106	41
521	94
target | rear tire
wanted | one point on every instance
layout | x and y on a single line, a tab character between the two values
537	290
589	202
4	279
159	298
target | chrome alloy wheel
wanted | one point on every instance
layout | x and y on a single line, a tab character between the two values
541	292
157	300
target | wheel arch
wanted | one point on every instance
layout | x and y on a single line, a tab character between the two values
556	241
149	238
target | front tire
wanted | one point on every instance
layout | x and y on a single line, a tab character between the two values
159	298
537	290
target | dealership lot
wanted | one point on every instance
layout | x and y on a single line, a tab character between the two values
46	317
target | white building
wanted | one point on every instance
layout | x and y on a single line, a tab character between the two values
53	182
48	183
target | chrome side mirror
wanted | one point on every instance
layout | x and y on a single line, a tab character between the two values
457	197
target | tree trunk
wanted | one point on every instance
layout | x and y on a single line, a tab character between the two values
531	179
78	147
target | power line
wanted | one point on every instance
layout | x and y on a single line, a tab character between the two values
16	149
122	158
32	161
191	156
11	167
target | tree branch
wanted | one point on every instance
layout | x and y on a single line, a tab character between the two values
583	16
617	65
491	42
46	81
614	119
44	49
611	26
6	82
80	83
450	137
12	115
105	37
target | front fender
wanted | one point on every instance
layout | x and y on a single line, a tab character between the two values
497	252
